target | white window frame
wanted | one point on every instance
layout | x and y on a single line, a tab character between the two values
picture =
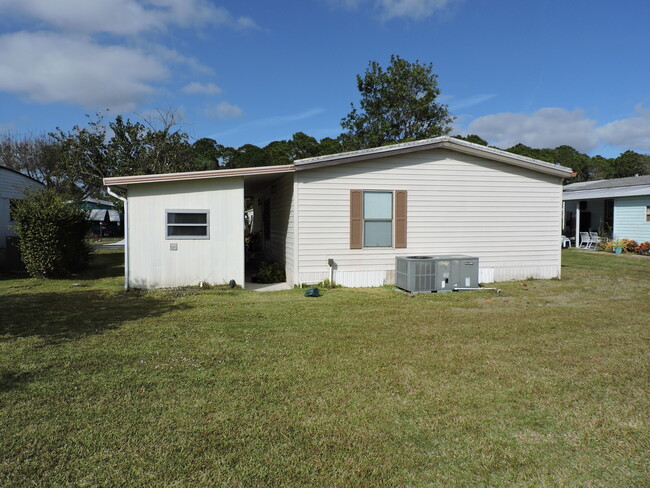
187	237
391	220
647	213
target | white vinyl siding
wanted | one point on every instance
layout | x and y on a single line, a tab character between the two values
12	185
507	216
291	238
158	261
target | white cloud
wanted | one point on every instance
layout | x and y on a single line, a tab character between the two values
631	133
47	67
274	121
196	88
245	23
552	127
414	9
123	17
225	110
547	127
468	102
98	53
392	9
172	56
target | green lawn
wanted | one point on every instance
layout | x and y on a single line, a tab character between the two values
545	384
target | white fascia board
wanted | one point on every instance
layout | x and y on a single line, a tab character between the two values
626	191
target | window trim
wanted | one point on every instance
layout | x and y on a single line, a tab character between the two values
391	220
647	213
187	211
399	219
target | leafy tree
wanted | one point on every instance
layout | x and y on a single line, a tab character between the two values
303	146
38	157
247	156
472	138
397	104
206	154
88	154
227	157
51	234
330	146
628	163
581	164
278	152
84	155
530	152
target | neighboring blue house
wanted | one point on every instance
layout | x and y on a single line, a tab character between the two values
618	207
104	216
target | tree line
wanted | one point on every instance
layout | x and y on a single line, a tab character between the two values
397	104
587	168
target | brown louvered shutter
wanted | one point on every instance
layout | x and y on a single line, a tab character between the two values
356	222
400	219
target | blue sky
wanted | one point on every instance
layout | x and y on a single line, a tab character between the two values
543	73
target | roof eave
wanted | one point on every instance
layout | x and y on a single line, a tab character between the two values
438	142
122	181
510	158
354	156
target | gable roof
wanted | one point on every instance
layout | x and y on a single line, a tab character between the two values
617	187
613	183
444	142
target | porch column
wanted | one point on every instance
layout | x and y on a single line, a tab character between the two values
563	216
577	223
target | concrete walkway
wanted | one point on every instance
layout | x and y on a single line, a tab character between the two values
114	245
266	286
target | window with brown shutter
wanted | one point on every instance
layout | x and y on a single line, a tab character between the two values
378	219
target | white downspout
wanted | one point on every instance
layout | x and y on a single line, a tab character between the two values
126	235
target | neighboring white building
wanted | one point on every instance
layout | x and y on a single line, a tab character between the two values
12	184
358	210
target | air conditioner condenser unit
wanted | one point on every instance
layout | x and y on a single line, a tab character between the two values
426	274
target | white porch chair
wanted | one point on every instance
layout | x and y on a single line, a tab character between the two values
595	239
585	240
566	242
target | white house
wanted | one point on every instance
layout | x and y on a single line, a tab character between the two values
356	211
12	184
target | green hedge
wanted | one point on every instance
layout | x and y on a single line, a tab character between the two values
52	234
271	273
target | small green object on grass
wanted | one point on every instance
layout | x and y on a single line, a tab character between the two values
312	292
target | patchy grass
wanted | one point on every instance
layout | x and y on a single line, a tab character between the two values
106	240
545	384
